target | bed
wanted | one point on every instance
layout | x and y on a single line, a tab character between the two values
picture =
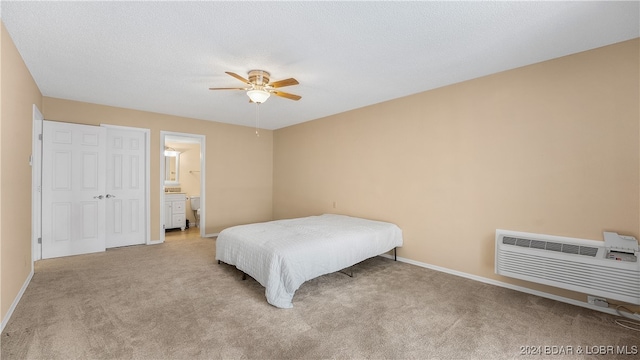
283	254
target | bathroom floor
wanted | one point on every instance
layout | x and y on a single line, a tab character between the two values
175	235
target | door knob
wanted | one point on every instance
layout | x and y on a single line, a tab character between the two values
98	197
110	196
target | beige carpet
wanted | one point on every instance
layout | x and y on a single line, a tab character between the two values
173	301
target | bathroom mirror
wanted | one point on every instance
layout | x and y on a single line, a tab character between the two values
171	167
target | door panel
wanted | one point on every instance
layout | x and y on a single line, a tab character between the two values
135	208
61	170
126	156
61	229
72	181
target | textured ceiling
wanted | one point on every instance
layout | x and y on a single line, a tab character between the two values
163	56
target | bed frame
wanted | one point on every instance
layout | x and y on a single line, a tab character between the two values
349	274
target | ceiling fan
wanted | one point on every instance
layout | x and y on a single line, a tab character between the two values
259	88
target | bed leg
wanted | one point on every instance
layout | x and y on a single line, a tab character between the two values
244	276
218	262
395	255
349	274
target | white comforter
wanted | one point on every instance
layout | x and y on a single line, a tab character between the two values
283	254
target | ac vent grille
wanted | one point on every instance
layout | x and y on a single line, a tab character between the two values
551	246
588	251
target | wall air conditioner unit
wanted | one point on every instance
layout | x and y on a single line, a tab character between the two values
608	269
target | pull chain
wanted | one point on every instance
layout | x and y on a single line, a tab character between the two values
257	117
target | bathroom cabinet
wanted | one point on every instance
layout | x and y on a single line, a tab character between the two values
174	211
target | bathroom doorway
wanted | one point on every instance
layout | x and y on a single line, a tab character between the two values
182	169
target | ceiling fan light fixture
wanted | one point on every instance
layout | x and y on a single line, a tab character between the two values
258	96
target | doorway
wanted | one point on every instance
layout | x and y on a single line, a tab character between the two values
182	180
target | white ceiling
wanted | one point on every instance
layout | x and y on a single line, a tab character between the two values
163	56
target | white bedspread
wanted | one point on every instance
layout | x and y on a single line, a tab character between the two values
283	254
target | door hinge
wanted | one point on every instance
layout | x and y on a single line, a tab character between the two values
39	240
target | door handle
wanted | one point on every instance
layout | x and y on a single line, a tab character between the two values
98	197
110	196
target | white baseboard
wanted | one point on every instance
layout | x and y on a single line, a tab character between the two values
505	285
154	242
211	235
5	320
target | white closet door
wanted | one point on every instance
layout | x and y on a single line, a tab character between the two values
126	189
73	184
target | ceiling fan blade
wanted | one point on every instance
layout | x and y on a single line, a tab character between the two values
287	95
227	88
283	83
238	77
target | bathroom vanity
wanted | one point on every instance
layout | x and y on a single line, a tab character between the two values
174	211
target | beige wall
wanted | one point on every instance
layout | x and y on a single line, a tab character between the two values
549	148
238	164
189	171
18	95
